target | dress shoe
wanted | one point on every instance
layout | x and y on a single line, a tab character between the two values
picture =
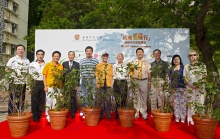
109	117
116	117
36	120
146	118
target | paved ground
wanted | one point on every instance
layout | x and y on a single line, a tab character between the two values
4	104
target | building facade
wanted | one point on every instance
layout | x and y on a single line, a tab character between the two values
14	26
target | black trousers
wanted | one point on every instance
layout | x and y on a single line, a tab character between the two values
18	90
105	103
120	89
38	97
73	105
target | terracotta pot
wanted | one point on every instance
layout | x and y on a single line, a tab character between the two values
162	120
205	128
92	115
126	117
58	118
19	125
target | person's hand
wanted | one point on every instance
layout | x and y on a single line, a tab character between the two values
149	86
164	88
191	86
76	88
46	88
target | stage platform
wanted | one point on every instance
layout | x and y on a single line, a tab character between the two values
107	129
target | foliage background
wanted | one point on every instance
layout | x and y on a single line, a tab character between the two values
92	14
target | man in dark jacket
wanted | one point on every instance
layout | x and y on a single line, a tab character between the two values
69	66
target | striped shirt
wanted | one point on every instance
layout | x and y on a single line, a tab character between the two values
87	67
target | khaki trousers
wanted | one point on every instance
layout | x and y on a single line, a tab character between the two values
140	101
156	94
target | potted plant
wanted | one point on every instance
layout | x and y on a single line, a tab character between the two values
125	108
92	100
62	94
206	115
18	119
162	115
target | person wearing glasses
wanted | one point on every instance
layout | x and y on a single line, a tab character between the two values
193	73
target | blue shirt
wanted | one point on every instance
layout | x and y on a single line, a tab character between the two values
176	78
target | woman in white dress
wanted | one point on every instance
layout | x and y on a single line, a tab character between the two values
194	73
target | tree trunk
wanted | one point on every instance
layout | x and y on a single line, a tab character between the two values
205	47
201	38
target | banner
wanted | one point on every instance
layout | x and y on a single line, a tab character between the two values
169	40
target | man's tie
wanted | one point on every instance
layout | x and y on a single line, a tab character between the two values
70	65
140	69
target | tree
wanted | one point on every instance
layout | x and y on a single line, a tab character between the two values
201	17
53	17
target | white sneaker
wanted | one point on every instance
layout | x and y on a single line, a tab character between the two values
48	119
177	120
182	121
81	114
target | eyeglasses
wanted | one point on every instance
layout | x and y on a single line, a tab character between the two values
192	55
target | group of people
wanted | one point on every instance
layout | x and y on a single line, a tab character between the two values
90	69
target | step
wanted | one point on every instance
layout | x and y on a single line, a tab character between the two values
3	116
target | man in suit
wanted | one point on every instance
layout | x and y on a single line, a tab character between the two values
69	66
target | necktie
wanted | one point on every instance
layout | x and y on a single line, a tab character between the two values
70	65
140	69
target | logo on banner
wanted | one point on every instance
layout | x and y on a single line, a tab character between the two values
135	40
76	37
95	55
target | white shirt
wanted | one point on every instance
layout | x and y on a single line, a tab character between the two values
35	69
119	71
70	63
191	75
19	65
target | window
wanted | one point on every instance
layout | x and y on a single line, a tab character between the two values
12	49
3	48
15	6
6	3
14	27
6	25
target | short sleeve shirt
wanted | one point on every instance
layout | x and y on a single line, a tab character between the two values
48	71
146	66
19	65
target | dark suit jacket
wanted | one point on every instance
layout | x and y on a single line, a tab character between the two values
75	66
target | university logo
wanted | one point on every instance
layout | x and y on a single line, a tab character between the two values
76	37
95	55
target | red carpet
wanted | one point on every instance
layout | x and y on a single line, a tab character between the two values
107	129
